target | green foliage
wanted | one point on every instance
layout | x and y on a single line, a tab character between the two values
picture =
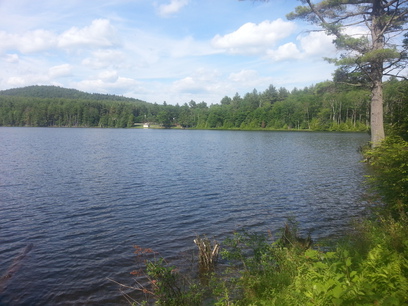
381	18
54	92
169	287
327	106
390	164
61	112
396	106
166	285
383	55
350	42
260	268
336	278
368	267
347	275
374	54
164	118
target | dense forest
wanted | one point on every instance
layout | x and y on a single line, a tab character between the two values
326	106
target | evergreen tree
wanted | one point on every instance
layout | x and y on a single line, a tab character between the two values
377	53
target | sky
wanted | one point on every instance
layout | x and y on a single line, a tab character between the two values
164	50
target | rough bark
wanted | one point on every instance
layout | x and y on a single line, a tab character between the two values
376	75
376	118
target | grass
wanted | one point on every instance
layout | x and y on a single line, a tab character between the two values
367	267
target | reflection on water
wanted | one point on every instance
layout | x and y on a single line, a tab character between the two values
84	197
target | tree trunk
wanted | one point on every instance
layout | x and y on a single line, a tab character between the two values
377	125
376	118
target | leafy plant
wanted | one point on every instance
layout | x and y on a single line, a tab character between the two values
390	179
165	284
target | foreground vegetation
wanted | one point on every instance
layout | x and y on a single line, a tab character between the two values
326	106
368	266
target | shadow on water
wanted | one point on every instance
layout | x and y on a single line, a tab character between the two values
14	267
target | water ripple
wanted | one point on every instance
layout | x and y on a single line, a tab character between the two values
84	197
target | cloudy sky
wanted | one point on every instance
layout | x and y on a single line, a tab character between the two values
160	50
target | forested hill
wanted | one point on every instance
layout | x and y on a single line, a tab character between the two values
47	91
56	106
326	106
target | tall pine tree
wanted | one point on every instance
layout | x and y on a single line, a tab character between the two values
378	51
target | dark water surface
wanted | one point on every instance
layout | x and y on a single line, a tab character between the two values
84	197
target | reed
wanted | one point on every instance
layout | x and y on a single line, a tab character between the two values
207	254
290	237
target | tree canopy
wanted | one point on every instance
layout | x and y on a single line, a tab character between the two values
371	35
326	106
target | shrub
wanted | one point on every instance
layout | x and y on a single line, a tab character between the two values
165	284
390	179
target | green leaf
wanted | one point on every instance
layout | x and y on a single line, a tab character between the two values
337	291
313	254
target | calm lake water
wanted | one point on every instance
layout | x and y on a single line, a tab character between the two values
84	197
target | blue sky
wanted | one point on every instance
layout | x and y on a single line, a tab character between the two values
164	50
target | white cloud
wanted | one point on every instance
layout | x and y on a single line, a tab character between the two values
28	42
243	76
60	71
187	47
104	58
108	85
317	43
16	81
99	34
35	41
123	47
248	79
311	46
171	8
26	79
109	76
285	52
202	80
12	58
254	38
188	85
262	39
356	31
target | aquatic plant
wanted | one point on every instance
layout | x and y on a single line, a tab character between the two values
207	254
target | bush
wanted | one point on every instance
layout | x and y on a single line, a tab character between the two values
162	283
390	179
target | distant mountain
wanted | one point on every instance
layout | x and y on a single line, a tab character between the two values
61	107
45	91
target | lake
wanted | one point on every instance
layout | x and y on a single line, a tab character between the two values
84	197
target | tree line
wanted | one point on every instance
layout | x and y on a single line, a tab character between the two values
326	106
